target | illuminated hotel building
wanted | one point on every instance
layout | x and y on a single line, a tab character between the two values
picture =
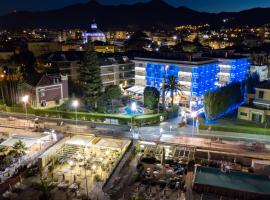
195	77
233	69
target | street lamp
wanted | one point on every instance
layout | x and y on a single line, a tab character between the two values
25	100
160	133
85	175
75	104
193	115
133	109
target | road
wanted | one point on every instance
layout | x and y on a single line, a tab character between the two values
167	132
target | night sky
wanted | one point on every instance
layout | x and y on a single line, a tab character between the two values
6	6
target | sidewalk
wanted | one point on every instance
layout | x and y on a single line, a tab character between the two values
115	175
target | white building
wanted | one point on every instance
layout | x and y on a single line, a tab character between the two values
262	71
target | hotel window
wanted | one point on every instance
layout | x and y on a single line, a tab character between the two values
261	94
243	114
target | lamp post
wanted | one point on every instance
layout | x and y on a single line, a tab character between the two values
86	181
265	126
25	100
75	104
133	109
193	115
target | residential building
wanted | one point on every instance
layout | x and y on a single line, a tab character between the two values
259	109
46	90
106	48
261	70
5	55
117	71
196	77
40	48
67	63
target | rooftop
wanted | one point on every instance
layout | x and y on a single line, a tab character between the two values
233	180
176	60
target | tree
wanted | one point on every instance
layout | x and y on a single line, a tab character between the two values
251	82
20	148
173	87
151	97
11	84
26	61
112	92
90	80
44	187
223	100
137	41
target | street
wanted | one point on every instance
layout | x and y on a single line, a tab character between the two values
167	132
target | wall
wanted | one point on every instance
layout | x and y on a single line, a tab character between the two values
249	111
266	95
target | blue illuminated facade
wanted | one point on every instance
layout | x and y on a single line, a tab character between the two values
233	70
204	78
195	79
155	73
239	69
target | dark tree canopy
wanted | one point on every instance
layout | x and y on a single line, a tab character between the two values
151	97
222	100
137	41
113	92
26	61
252	81
90	80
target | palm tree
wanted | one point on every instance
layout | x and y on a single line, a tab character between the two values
20	148
172	86
45	189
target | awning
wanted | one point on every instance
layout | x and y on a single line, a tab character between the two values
136	90
262	102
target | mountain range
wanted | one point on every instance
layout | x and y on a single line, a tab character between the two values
155	13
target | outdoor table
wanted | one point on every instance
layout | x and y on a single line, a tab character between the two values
155	173
62	185
6	194
73	186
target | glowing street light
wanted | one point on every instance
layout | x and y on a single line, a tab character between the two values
133	109
133	106
75	104
25	100
193	115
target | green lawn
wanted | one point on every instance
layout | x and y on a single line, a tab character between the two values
236	125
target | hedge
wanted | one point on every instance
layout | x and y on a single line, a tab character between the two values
94	117
237	128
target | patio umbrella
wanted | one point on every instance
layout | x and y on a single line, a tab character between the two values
163	157
74	180
20	179
63	177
